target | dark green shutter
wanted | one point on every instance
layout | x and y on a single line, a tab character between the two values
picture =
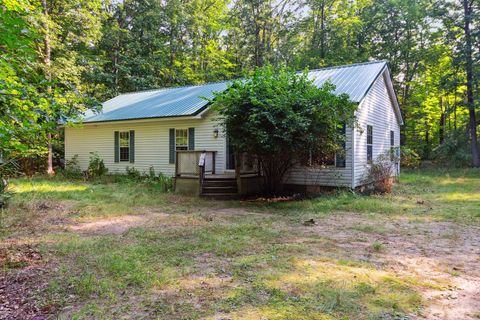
191	138
172	146
117	146
132	146
340	158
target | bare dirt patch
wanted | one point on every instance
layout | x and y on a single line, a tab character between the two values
443	255
116	225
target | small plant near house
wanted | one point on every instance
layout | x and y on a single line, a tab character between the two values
151	176
164	182
380	174
133	174
161	181
72	169
96	166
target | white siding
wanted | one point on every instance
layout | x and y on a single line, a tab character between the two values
376	110
151	143
329	176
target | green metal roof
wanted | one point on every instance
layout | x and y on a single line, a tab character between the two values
354	80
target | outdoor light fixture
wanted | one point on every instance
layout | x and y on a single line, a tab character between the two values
215	133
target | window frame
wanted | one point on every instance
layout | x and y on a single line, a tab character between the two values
120	159
183	147
369	143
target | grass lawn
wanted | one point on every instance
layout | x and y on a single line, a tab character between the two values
75	250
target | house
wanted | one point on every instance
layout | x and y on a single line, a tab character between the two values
173	129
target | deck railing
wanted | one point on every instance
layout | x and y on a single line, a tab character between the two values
194	163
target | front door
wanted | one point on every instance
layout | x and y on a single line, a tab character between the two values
230	156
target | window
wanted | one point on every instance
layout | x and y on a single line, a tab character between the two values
369	144
124	146
181	139
392	138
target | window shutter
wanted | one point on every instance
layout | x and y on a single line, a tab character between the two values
191	138
340	158
117	146
172	145
132	146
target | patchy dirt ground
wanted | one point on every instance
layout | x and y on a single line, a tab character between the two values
445	254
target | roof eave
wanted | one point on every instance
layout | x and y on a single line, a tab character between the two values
195	116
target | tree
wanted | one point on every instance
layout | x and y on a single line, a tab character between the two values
468	7
68	28
460	20
281	118
20	85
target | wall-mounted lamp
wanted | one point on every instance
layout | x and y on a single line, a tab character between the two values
215	133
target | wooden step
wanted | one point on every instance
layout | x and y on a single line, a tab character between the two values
219	184
220	196
222	189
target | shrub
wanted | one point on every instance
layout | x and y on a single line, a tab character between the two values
280	117
165	182
7	169
133	174
380	174
151	176
72	169
4	194
96	166
161	181
455	151
409	158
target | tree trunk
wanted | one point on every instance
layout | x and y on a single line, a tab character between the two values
47	63
469	72
426	150
322	30
442	122
455	110
50	170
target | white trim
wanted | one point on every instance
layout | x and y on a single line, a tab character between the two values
393	96
130	121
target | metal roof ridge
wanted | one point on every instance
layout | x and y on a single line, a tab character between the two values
230	80
174	87
345	66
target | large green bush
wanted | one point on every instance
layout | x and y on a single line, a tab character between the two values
281	117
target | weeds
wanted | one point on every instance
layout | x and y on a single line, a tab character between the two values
377	246
250	262
96	166
72	169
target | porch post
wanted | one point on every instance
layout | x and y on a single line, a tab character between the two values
238	177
